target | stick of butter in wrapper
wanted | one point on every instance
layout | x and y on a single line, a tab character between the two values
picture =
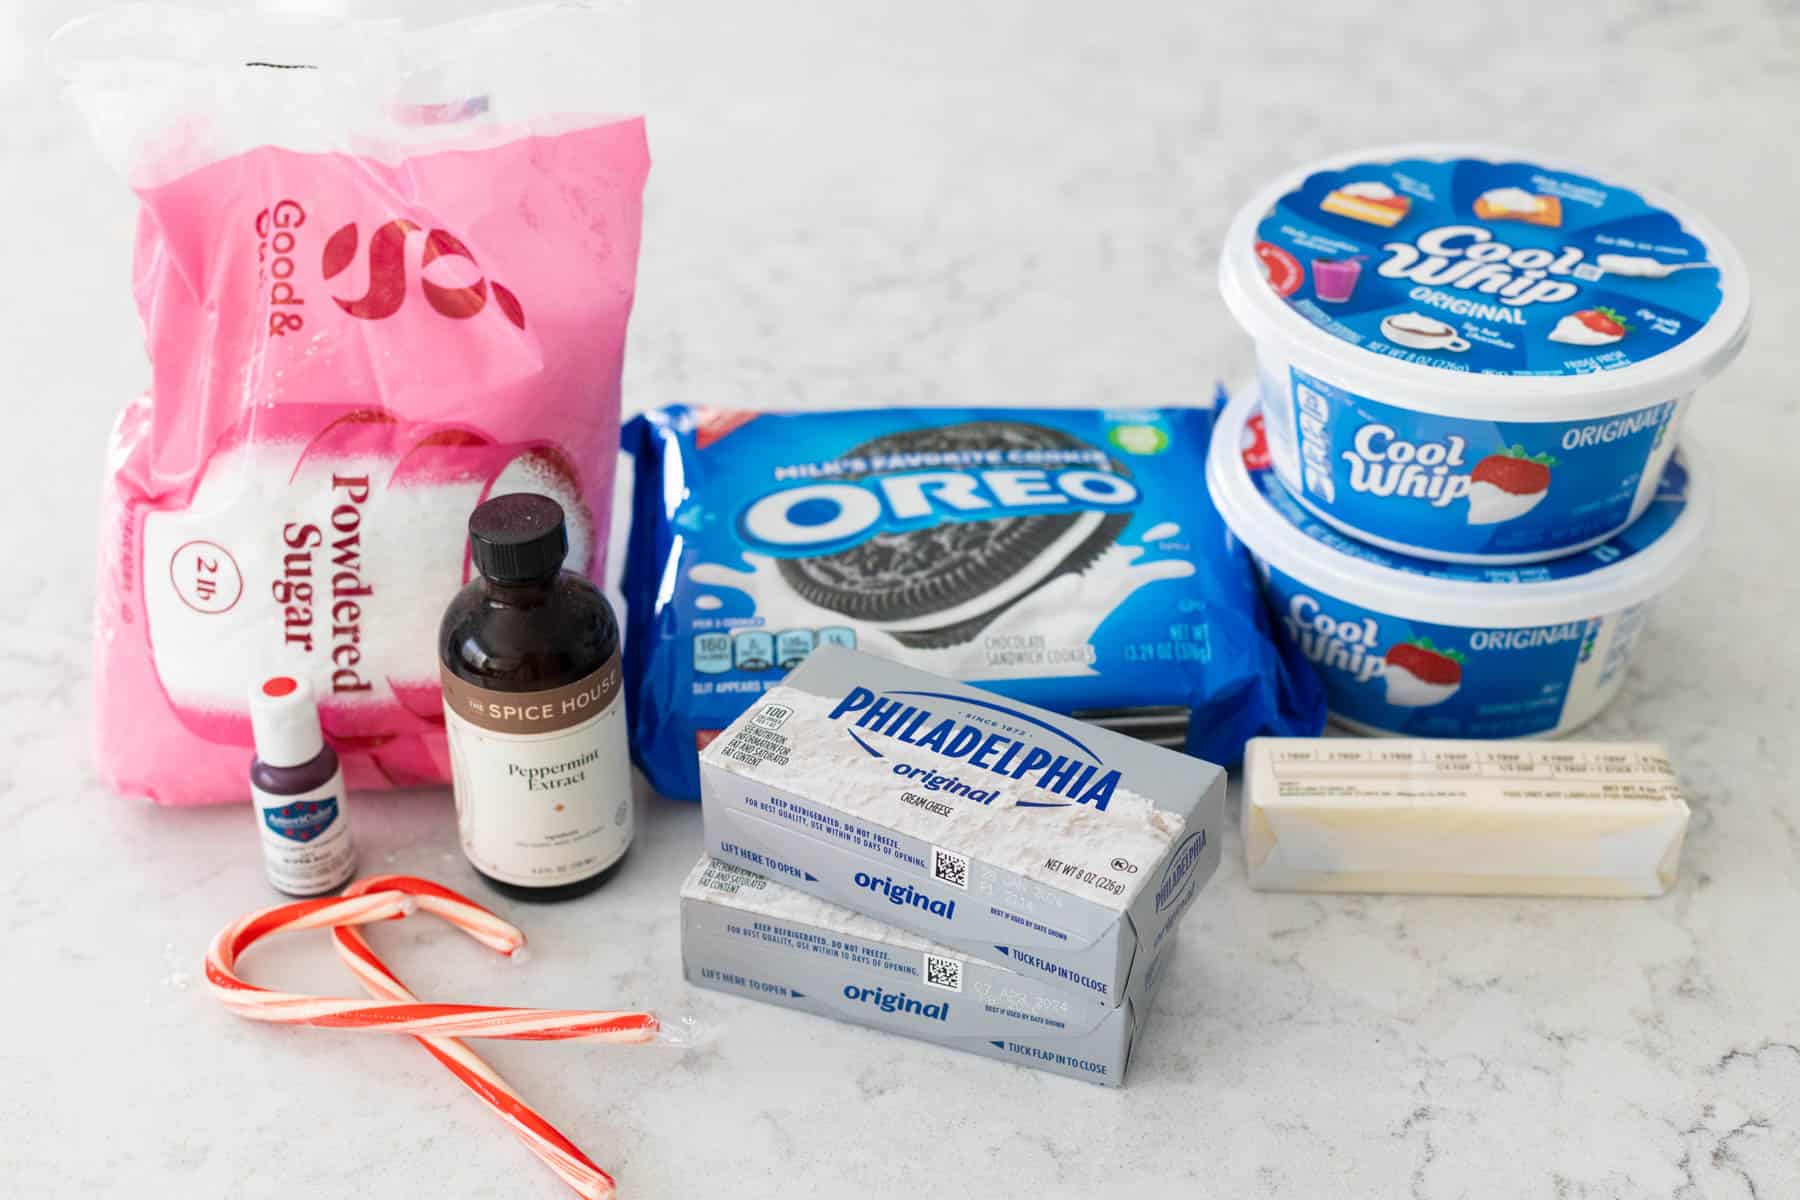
1462	817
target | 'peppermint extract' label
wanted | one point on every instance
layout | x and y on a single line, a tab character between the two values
1470	486
542	779
1495	268
306	838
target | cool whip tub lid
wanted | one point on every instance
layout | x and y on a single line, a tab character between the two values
1634	565
1441	277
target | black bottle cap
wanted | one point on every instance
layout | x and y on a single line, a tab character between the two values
518	538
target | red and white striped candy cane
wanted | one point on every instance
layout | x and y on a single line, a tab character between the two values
400	1016
397	1010
540	1137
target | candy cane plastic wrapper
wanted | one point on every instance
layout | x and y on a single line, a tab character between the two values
384	273
396	1010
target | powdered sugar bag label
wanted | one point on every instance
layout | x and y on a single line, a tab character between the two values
314	540
979	822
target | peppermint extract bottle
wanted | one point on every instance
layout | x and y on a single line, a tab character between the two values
534	709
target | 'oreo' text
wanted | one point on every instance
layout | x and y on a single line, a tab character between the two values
817	518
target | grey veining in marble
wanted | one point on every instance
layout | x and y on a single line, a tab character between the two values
936	201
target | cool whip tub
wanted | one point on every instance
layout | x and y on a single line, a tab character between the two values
1471	357
1428	649
1066	850
748	935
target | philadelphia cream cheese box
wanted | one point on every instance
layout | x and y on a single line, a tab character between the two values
1000	830
745	934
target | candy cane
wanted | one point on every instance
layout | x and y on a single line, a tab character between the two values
540	1137
397	1010
400	1016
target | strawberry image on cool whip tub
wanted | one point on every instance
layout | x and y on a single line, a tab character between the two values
1507	484
1420	674
1590	327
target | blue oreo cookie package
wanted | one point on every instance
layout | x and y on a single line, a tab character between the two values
1068	558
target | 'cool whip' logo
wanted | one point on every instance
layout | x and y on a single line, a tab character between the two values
1383	464
1079	779
1468	258
1347	645
819	518
1416	673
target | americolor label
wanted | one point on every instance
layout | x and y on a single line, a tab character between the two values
1484	267
1470	486
306	838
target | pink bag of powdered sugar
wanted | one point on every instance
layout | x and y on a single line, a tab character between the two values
383	274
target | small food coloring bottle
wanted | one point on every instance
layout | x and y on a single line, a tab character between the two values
298	790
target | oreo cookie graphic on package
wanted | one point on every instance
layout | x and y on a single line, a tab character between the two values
1067	558
941	584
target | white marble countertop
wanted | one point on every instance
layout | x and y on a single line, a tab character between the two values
943	202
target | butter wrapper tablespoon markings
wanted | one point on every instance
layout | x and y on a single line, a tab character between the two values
1462	817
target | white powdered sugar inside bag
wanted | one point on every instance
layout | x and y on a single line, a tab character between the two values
354	563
